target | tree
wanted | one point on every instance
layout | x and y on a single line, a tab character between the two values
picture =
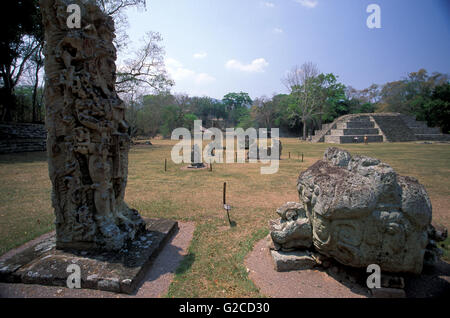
265	111
188	121
330	95
302	82
409	94
172	117
116	9
37	63
236	105
207	109
436	110
146	69
20	38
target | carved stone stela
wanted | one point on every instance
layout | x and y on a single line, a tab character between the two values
87	145
88	139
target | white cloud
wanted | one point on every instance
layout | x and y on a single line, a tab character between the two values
308	3
257	65
200	55
178	72
277	30
170	62
203	78
268	4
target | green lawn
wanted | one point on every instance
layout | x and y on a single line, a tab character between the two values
214	266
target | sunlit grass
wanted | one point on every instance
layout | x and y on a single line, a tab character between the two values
214	266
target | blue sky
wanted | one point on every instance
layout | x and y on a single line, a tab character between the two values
218	46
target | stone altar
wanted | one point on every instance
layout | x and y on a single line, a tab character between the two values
196	162
358	211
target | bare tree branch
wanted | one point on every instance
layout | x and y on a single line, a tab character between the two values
146	70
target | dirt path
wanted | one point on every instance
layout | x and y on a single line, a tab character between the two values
434	282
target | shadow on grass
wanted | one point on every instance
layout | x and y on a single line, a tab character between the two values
185	264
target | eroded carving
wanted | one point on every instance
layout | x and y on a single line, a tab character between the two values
88	138
358	211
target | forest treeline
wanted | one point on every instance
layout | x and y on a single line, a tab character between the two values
423	95
311	99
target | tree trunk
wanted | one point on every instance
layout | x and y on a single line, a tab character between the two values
304	129
34	99
8	99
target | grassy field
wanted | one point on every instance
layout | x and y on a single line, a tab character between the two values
214	266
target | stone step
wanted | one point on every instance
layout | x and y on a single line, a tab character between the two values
433	137
351	139
355	131
425	130
356	124
360	118
411	122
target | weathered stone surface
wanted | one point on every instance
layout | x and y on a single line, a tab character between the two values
120	271
388	293
293	229
360	213
87	135
289	261
378	127
196	157
390	281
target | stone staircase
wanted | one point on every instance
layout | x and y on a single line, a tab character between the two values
22	138
378	127
422	131
354	130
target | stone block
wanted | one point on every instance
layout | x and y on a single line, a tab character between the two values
388	293
292	261
120	272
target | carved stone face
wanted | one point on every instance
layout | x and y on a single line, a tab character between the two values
293	229
359	212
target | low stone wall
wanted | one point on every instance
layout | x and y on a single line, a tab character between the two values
22	138
351	139
354	124
355	131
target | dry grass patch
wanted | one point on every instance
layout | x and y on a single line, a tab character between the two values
214	266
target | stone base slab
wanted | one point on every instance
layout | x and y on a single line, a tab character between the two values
292	261
388	293
120	272
193	168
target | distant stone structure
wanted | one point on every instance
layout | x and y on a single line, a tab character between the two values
196	157
255	152
357	211
377	127
88	139
22	138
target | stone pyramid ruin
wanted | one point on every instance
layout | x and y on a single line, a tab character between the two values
377	127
